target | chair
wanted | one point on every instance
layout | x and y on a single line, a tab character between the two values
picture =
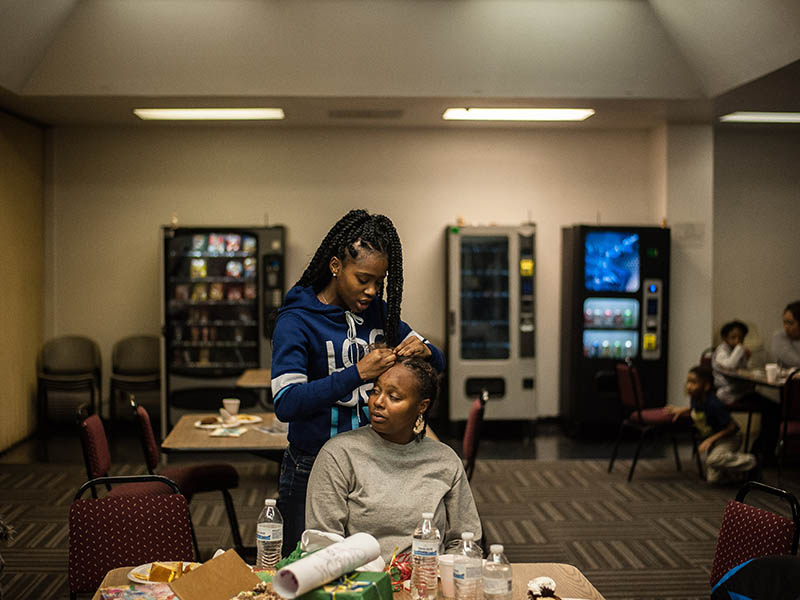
68	363
191	479
645	420
135	367
472	433
749	532
119	531
789	442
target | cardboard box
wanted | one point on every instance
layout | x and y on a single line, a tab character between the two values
220	578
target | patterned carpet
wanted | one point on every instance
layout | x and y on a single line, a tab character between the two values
652	538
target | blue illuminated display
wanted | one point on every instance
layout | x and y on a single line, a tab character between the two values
611	261
653	288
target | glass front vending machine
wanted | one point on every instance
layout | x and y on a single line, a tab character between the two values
491	321
615	306
221	288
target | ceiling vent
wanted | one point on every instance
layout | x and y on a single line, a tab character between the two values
365	114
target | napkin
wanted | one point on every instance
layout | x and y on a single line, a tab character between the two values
228	431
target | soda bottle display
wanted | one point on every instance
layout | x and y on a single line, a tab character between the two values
425	559
496	575
467	569
269	536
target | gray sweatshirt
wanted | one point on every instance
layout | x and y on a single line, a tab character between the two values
363	483
784	350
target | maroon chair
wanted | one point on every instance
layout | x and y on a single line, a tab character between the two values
645	421
152	527
750	532
789	442
472	434
191	479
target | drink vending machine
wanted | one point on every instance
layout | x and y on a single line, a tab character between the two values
615	306
221	288
491	320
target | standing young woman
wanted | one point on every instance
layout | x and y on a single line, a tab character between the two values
330	343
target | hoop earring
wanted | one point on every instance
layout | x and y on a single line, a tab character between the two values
419	425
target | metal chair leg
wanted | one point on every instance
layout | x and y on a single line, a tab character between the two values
675	451
616	448
237	536
636	455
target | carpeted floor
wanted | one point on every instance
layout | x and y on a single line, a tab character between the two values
652	538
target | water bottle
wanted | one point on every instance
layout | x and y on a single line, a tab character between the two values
467	569
425	559
269	536
496	575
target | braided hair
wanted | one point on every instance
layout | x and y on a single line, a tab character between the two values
427	384
360	231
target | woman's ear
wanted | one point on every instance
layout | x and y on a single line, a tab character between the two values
424	405
335	265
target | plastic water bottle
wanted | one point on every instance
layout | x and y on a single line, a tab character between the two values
269	536
467	569
496	575
425	559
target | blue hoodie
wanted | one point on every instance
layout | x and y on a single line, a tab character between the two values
316	386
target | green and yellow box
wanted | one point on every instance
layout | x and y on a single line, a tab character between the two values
358	585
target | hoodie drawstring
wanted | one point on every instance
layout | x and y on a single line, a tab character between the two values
353	320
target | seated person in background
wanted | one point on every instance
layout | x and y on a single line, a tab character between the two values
785	348
731	355
719	433
380	479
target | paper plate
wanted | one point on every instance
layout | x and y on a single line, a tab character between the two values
140	573
215	425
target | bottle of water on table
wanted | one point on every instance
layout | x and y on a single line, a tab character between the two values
467	569
425	559
269	536
496	575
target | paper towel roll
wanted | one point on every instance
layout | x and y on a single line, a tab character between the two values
325	565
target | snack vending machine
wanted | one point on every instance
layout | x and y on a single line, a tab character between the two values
491	320
615	306
221	288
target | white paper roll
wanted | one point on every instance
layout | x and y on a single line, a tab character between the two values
325	565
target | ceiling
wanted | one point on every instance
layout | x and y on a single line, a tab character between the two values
399	63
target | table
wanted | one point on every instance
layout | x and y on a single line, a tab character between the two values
757	376
185	437
570	582
255	379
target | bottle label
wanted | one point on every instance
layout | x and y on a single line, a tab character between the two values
269	532
496	586
425	547
467	569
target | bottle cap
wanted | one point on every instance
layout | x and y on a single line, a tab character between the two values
467	535
496	548
269	502
427	515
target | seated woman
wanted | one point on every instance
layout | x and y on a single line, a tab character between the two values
786	342
380	479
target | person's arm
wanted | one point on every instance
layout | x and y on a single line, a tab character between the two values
706	444
462	514
326	500
677	411
419	345
729	360
293	395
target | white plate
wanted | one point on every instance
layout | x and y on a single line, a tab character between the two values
140	573
248	419
199	425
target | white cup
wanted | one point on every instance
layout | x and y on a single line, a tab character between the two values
446	575
231	405
771	369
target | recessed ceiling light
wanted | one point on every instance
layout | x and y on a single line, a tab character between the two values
517	114
761	117
209	114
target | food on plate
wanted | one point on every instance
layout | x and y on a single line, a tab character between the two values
541	587
209	420
165	571
262	591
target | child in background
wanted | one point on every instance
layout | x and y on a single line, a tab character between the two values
719	433
731	355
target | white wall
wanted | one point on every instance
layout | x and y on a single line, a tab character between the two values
113	188
756	234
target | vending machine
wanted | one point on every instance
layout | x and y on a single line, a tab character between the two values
221	288
615	306
491	320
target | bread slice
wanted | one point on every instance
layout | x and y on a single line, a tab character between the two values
165	571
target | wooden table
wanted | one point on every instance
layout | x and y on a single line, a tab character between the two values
570	582
757	376
259	379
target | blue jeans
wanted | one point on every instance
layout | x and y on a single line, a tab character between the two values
295	469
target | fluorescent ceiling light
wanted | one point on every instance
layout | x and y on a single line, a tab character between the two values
761	117
517	114
208	114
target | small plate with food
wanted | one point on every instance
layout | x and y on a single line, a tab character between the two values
161	572
213	422
248	419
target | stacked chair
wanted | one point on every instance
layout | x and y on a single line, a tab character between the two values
69	363
135	367
472	433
